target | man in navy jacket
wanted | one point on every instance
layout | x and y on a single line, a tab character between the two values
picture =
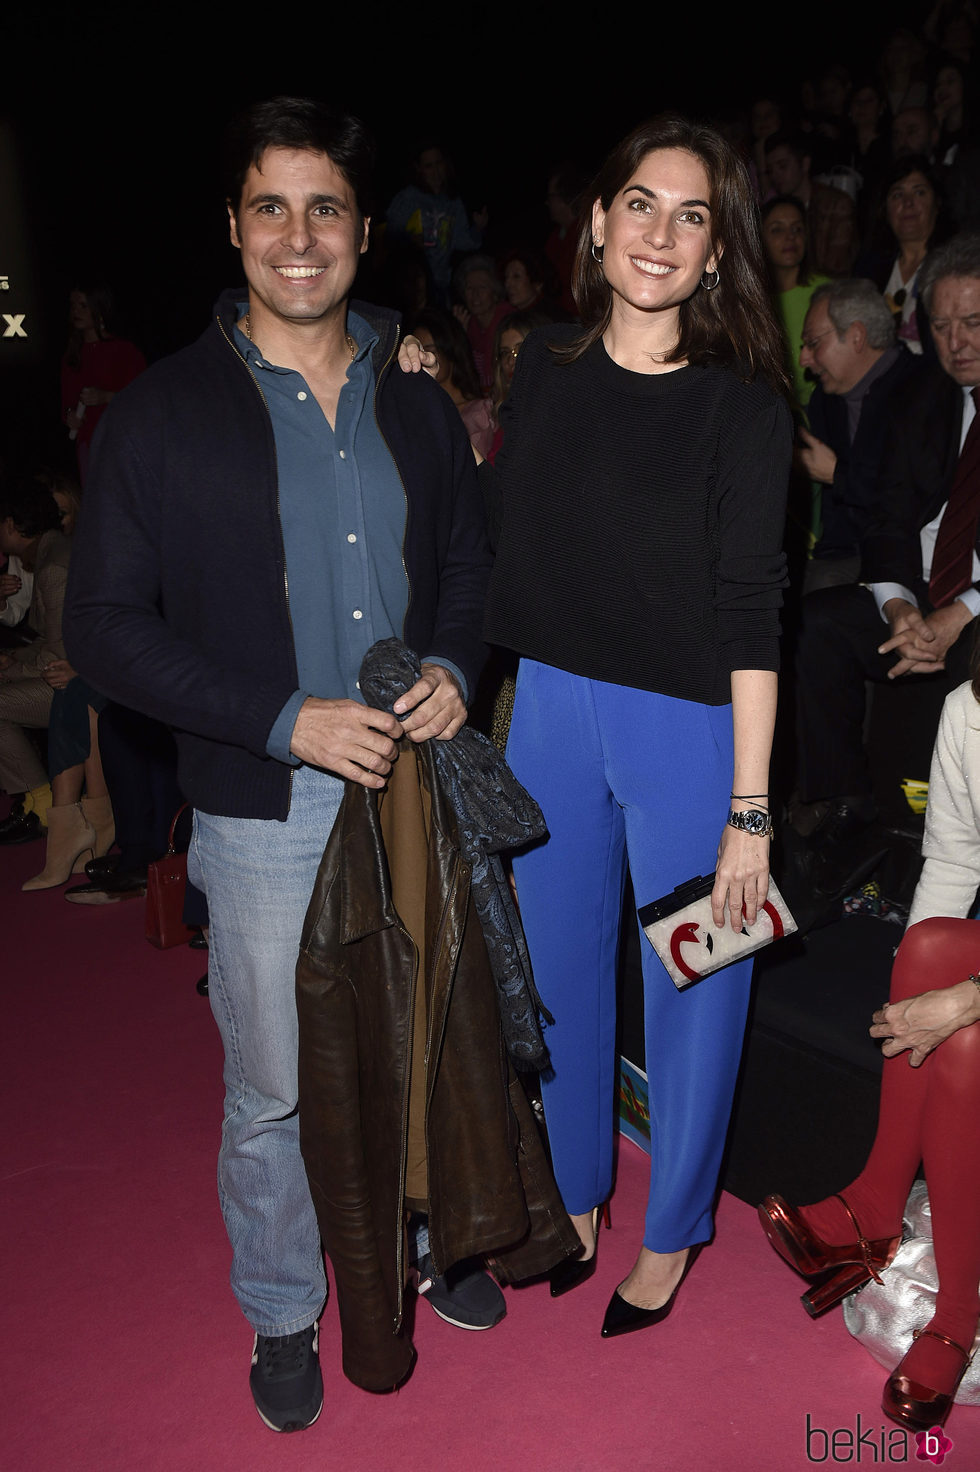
849	346
262	507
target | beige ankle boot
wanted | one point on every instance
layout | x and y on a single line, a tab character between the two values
98	812
69	837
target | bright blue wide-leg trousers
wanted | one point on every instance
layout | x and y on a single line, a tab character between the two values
626	776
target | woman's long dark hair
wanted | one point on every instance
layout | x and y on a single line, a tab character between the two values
733	324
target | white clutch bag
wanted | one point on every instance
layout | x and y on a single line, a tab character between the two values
684	936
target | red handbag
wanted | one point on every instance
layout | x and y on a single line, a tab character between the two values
166	884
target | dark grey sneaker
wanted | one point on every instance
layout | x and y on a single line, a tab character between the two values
465	1296
285	1379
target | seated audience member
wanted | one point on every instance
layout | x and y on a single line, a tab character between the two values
402	279
529	281
913	201
833	95
785	245
765	118
831	214
139	759
566	186
30	530
919	560
949	106
482	305
442	334
16	588
929	1112
67	497
869	149
79	820
96	365
904	81
914	131
429	213
507	345
849	347
951	26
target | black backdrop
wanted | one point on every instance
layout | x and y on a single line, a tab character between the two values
111	116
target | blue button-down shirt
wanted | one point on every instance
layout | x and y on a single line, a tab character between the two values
342	510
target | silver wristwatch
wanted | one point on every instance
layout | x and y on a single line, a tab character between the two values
757	823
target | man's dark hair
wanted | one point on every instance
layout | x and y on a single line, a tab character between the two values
300	122
31	507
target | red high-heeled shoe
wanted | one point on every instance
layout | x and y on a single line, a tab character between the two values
846	1267
913	1404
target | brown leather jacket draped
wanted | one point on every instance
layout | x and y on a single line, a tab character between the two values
405	1088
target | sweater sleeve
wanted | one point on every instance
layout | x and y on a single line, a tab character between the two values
950	876
751	568
115	628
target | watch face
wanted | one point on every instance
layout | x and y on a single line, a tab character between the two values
754	822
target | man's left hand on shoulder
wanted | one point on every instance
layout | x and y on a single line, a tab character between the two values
433	707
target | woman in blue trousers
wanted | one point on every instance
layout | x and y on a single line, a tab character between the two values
639	575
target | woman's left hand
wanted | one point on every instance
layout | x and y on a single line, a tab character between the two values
921	1023
742	877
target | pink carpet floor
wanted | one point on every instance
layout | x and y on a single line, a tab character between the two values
123	1348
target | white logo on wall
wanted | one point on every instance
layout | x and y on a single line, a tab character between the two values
13	322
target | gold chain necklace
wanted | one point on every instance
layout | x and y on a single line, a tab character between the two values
247	329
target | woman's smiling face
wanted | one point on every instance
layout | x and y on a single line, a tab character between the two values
656	235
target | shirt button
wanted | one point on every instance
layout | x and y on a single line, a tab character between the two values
301	395
351	537
343	454
358	613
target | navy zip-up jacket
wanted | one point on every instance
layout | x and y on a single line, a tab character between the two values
177	601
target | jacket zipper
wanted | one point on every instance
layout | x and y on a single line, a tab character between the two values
384	369
282	545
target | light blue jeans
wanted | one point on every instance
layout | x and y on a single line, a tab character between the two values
258	877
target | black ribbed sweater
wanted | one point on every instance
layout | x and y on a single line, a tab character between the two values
642	522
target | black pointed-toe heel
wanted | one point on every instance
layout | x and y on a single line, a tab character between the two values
624	1318
572	1271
